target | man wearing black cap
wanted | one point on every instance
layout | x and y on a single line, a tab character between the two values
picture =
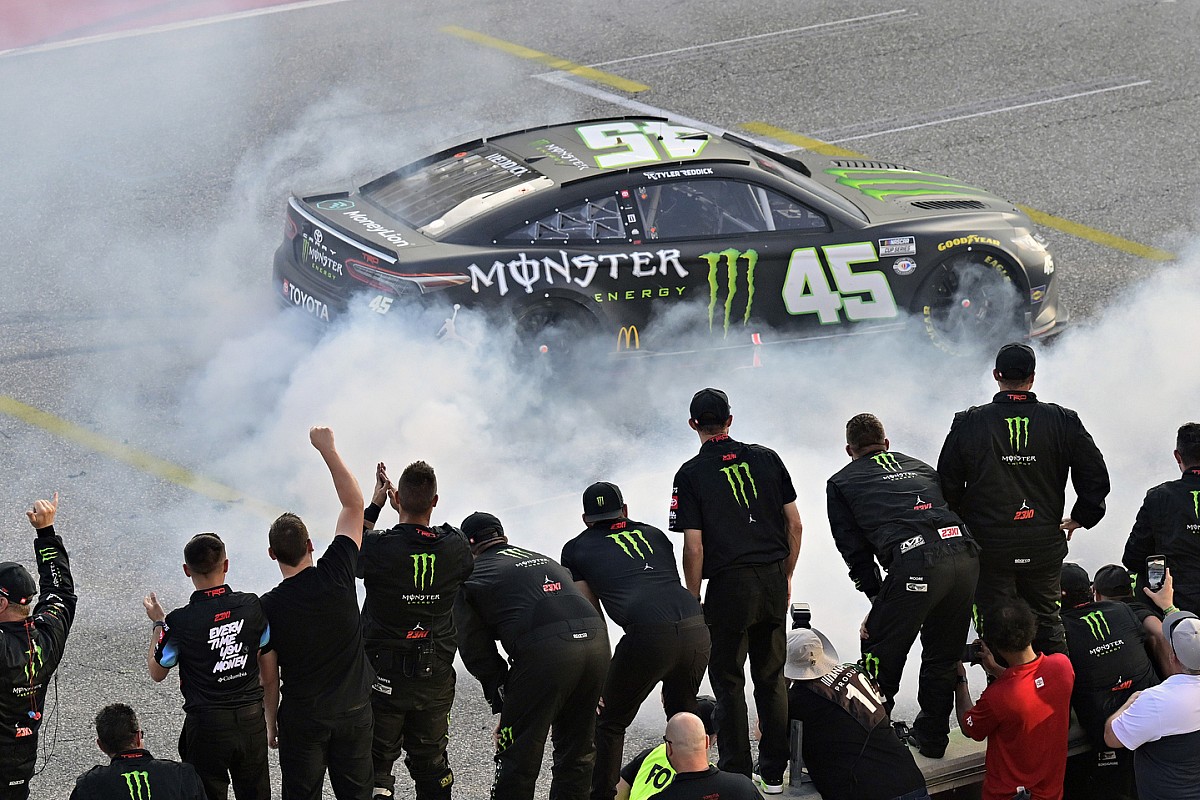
735	505
412	573
133	772
32	646
1168	524
216	640
630	567
1113	582
557	646
1003	469
1105	644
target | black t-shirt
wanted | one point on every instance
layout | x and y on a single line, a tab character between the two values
631	567
1168	524
138	775
1106	644
412	574
734	493
712	784
317	632
1168	768
848	744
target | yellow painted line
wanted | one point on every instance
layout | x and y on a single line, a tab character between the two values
149	464
1077	229
554	62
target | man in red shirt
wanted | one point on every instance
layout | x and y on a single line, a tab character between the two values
1024	714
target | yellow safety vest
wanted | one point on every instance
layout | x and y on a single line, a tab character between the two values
654	775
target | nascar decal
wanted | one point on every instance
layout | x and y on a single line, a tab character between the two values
637	143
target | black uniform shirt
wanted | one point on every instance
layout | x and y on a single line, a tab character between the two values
214	640
877	504
30	650
631	567
1004	465
734	493
412	574
317	632
137	775
1168	524
712	784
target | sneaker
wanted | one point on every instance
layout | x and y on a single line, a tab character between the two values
768	785
929	749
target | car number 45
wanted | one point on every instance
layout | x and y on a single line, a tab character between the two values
380	304
862	295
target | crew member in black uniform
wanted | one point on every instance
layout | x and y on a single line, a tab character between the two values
325	719
216	640
735	505
1113	582
412	574
1003	469
1106	648
1168	524
888	506
32	646
557	646
630	567
133	774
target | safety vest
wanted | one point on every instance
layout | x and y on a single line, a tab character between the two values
654	775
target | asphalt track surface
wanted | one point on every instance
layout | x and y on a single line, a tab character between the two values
146	160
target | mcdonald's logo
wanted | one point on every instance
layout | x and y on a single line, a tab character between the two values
627	338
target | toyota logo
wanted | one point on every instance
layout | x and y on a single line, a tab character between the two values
318	236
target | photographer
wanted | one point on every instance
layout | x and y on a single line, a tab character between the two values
1026	711
32	646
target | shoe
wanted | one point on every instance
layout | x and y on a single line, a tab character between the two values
934	749
768	786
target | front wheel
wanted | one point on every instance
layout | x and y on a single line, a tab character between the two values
971	301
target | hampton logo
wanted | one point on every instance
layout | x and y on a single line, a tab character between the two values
881	183
887	461
1097	624
1018	432
423	567
138	784
737	484
731	258
629	539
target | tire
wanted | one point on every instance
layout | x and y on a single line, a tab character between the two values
971	301
559	329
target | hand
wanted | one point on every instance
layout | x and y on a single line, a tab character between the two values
988	661
154	609
321	438
599	706
273	735
1164	598
42	513
862	628
383	486
496	735
1069	526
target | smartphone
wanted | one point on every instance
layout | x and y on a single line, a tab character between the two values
973	653
1156	572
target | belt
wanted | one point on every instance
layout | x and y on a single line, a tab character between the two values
235	712
697	621
591	629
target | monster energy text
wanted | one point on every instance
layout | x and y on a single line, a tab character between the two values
737	484
887	461
732	258
629	539
138	783
423	567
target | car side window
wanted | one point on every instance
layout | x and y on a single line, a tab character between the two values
695	209
594	220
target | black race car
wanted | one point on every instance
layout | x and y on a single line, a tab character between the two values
605	225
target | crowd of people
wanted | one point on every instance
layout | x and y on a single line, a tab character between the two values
979	539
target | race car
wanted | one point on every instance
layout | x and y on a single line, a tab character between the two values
610	226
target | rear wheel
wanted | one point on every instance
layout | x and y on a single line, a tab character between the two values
971	301
558	329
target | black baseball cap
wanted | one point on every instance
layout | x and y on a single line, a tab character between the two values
1074	578
706	710
482	527
709	406
602	501
16	583
1112	580
1015	361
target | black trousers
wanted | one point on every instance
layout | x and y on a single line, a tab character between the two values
17	761
228	744
1031	573
928	591
1104	774
675	653
312	740
412	718
552	688
746	609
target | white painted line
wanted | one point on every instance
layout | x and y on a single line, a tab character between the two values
988	112
755	37
170	26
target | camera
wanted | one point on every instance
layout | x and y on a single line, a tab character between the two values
801	616
1156	572
973	653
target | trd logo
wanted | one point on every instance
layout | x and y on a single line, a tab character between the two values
423	567
629	539
1097	624
887	461
737	485
1018	432
138	784
731	258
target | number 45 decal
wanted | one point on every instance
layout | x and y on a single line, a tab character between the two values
806	288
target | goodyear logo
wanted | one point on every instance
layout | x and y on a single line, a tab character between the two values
1097	624
732	259
1018	432
628	335
739	476
628	542
887	461
138	784
423	567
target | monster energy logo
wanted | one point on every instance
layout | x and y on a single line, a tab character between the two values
515	552
870	665
47	554
423	566
1097	624
504	739
1196	503
887	461
628	539
138	784
737	485
1018	432
731	258
35	661
880	183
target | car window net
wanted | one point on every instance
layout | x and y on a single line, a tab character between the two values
593	220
